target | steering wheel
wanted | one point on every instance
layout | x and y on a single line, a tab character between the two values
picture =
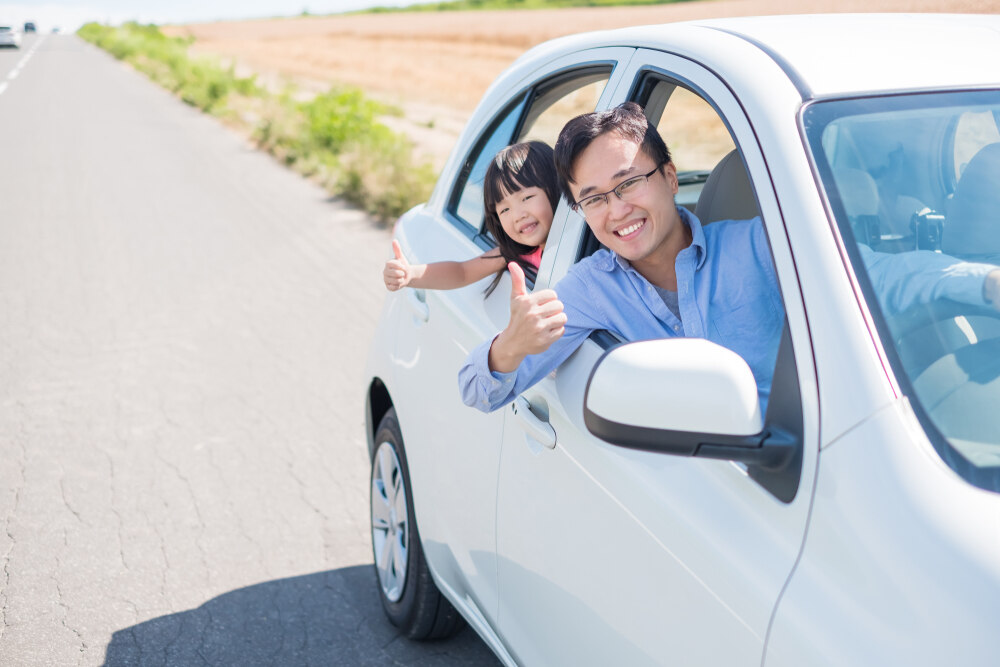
923	315
951	353
929	331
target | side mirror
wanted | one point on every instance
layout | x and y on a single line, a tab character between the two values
681	396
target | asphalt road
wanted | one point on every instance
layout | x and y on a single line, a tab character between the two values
183	328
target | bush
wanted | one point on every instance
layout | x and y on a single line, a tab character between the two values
377	170
335	117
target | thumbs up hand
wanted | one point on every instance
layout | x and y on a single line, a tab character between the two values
536	321
397	272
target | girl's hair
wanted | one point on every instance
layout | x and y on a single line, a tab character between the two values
525	165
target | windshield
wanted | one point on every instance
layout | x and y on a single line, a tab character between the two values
914	183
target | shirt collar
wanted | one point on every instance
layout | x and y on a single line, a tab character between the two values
606	261
697	235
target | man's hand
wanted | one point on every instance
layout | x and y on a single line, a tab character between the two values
536	321
397	273
991	288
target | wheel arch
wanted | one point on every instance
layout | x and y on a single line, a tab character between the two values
377	403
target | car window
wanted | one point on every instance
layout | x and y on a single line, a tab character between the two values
693	130
912	180
557	103
539	114
467	198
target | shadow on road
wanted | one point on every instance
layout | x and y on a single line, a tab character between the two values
327	618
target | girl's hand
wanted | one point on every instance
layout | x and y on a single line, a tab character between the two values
397	273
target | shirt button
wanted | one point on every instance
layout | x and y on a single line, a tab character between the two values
677	327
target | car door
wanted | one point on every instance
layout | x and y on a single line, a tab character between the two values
609	555
454	451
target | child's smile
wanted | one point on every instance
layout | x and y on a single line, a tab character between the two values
526	215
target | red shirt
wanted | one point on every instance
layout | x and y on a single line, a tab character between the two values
534	257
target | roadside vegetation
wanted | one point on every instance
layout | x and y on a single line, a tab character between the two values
458	5
335	138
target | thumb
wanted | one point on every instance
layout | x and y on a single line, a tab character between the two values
518	288
396	250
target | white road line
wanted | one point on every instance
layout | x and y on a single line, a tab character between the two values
16	72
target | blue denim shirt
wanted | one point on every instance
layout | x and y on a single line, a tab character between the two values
727	292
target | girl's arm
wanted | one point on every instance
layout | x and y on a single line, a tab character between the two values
400	273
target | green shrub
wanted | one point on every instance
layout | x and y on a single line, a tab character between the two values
460	5
378	172
335	117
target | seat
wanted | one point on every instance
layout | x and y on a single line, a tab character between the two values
727	194
971	228
859	196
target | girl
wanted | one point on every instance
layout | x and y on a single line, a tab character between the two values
520	194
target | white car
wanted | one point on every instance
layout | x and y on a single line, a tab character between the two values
9	36
858	521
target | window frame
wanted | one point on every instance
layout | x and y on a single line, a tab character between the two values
521	104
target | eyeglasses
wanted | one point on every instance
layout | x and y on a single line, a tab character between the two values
626	190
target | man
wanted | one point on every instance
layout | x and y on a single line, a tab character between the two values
663	274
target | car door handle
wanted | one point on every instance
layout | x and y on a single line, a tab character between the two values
538	429
416	300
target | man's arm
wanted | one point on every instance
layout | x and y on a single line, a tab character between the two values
536	321
908	278
483	380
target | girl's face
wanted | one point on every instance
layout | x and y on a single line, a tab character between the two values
526	216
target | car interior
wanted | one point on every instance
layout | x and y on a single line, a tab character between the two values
902	175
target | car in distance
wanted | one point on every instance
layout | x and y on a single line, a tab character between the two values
9	36
29	26
859	522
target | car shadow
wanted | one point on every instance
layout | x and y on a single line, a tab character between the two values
326	618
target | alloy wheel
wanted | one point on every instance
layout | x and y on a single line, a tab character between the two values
390	522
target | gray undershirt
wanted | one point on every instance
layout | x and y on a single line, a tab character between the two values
670	299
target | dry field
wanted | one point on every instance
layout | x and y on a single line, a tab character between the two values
436	65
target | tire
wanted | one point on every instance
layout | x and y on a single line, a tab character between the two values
409	595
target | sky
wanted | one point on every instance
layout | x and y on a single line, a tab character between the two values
68	15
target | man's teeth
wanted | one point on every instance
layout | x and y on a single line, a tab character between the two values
628	230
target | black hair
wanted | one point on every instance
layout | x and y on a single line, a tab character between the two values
525	165
627	120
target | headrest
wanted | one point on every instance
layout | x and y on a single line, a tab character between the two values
972	224
727	194
858	192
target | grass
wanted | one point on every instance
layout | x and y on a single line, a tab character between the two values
460	5
334	138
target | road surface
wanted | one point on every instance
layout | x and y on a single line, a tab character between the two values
183	328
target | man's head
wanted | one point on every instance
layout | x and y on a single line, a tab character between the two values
615	169
627	120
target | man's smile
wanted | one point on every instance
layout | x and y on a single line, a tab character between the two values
631	229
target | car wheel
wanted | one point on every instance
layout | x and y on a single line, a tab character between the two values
409	596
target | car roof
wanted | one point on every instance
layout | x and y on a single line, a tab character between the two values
830	54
